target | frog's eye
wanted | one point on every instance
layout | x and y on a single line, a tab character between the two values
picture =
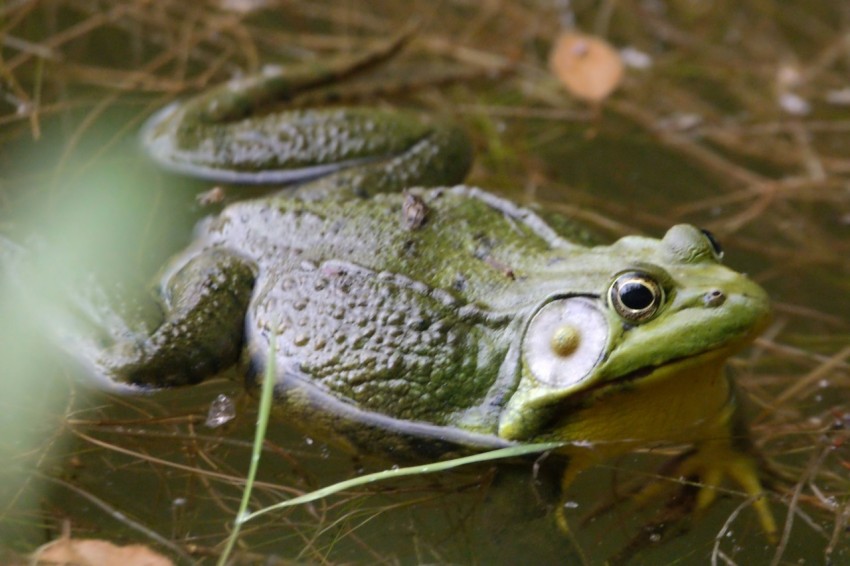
636	296
715	245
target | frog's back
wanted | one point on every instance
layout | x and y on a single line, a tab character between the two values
370	313
470	244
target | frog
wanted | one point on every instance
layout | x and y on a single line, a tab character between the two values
412	316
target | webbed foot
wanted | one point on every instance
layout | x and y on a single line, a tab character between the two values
707	467
699	475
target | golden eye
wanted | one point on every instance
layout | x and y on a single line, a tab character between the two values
636	296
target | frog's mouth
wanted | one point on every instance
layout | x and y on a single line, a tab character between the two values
653	402
670	369
675	402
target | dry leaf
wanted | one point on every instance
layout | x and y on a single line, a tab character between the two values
586	65
91	552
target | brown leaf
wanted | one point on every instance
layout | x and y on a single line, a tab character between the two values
92	552
587	66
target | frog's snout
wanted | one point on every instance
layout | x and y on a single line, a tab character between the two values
741	303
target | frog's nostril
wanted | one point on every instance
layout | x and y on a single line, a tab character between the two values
714	298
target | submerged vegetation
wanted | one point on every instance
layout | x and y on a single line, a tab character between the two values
732	115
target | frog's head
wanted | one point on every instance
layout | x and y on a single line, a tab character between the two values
660	308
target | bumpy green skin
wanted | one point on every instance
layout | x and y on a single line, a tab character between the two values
408	340
399	319
427	322
414	324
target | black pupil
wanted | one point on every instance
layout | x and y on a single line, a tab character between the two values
636	295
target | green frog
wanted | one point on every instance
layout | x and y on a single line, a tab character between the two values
416	317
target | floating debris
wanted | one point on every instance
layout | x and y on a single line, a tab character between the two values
635	58
414	211
215	195
222	411
587	66
97	552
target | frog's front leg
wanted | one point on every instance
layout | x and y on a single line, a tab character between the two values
205	303
708	464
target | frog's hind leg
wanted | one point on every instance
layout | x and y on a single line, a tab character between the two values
436	155
236	132
202	332
240	98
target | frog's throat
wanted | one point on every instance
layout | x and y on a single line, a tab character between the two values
677	368
681	402
652	404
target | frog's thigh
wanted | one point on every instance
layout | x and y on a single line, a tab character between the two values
202	333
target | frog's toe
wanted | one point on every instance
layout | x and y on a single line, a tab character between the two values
745	472
703	472
710	466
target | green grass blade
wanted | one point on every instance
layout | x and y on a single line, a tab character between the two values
266	396
501	453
